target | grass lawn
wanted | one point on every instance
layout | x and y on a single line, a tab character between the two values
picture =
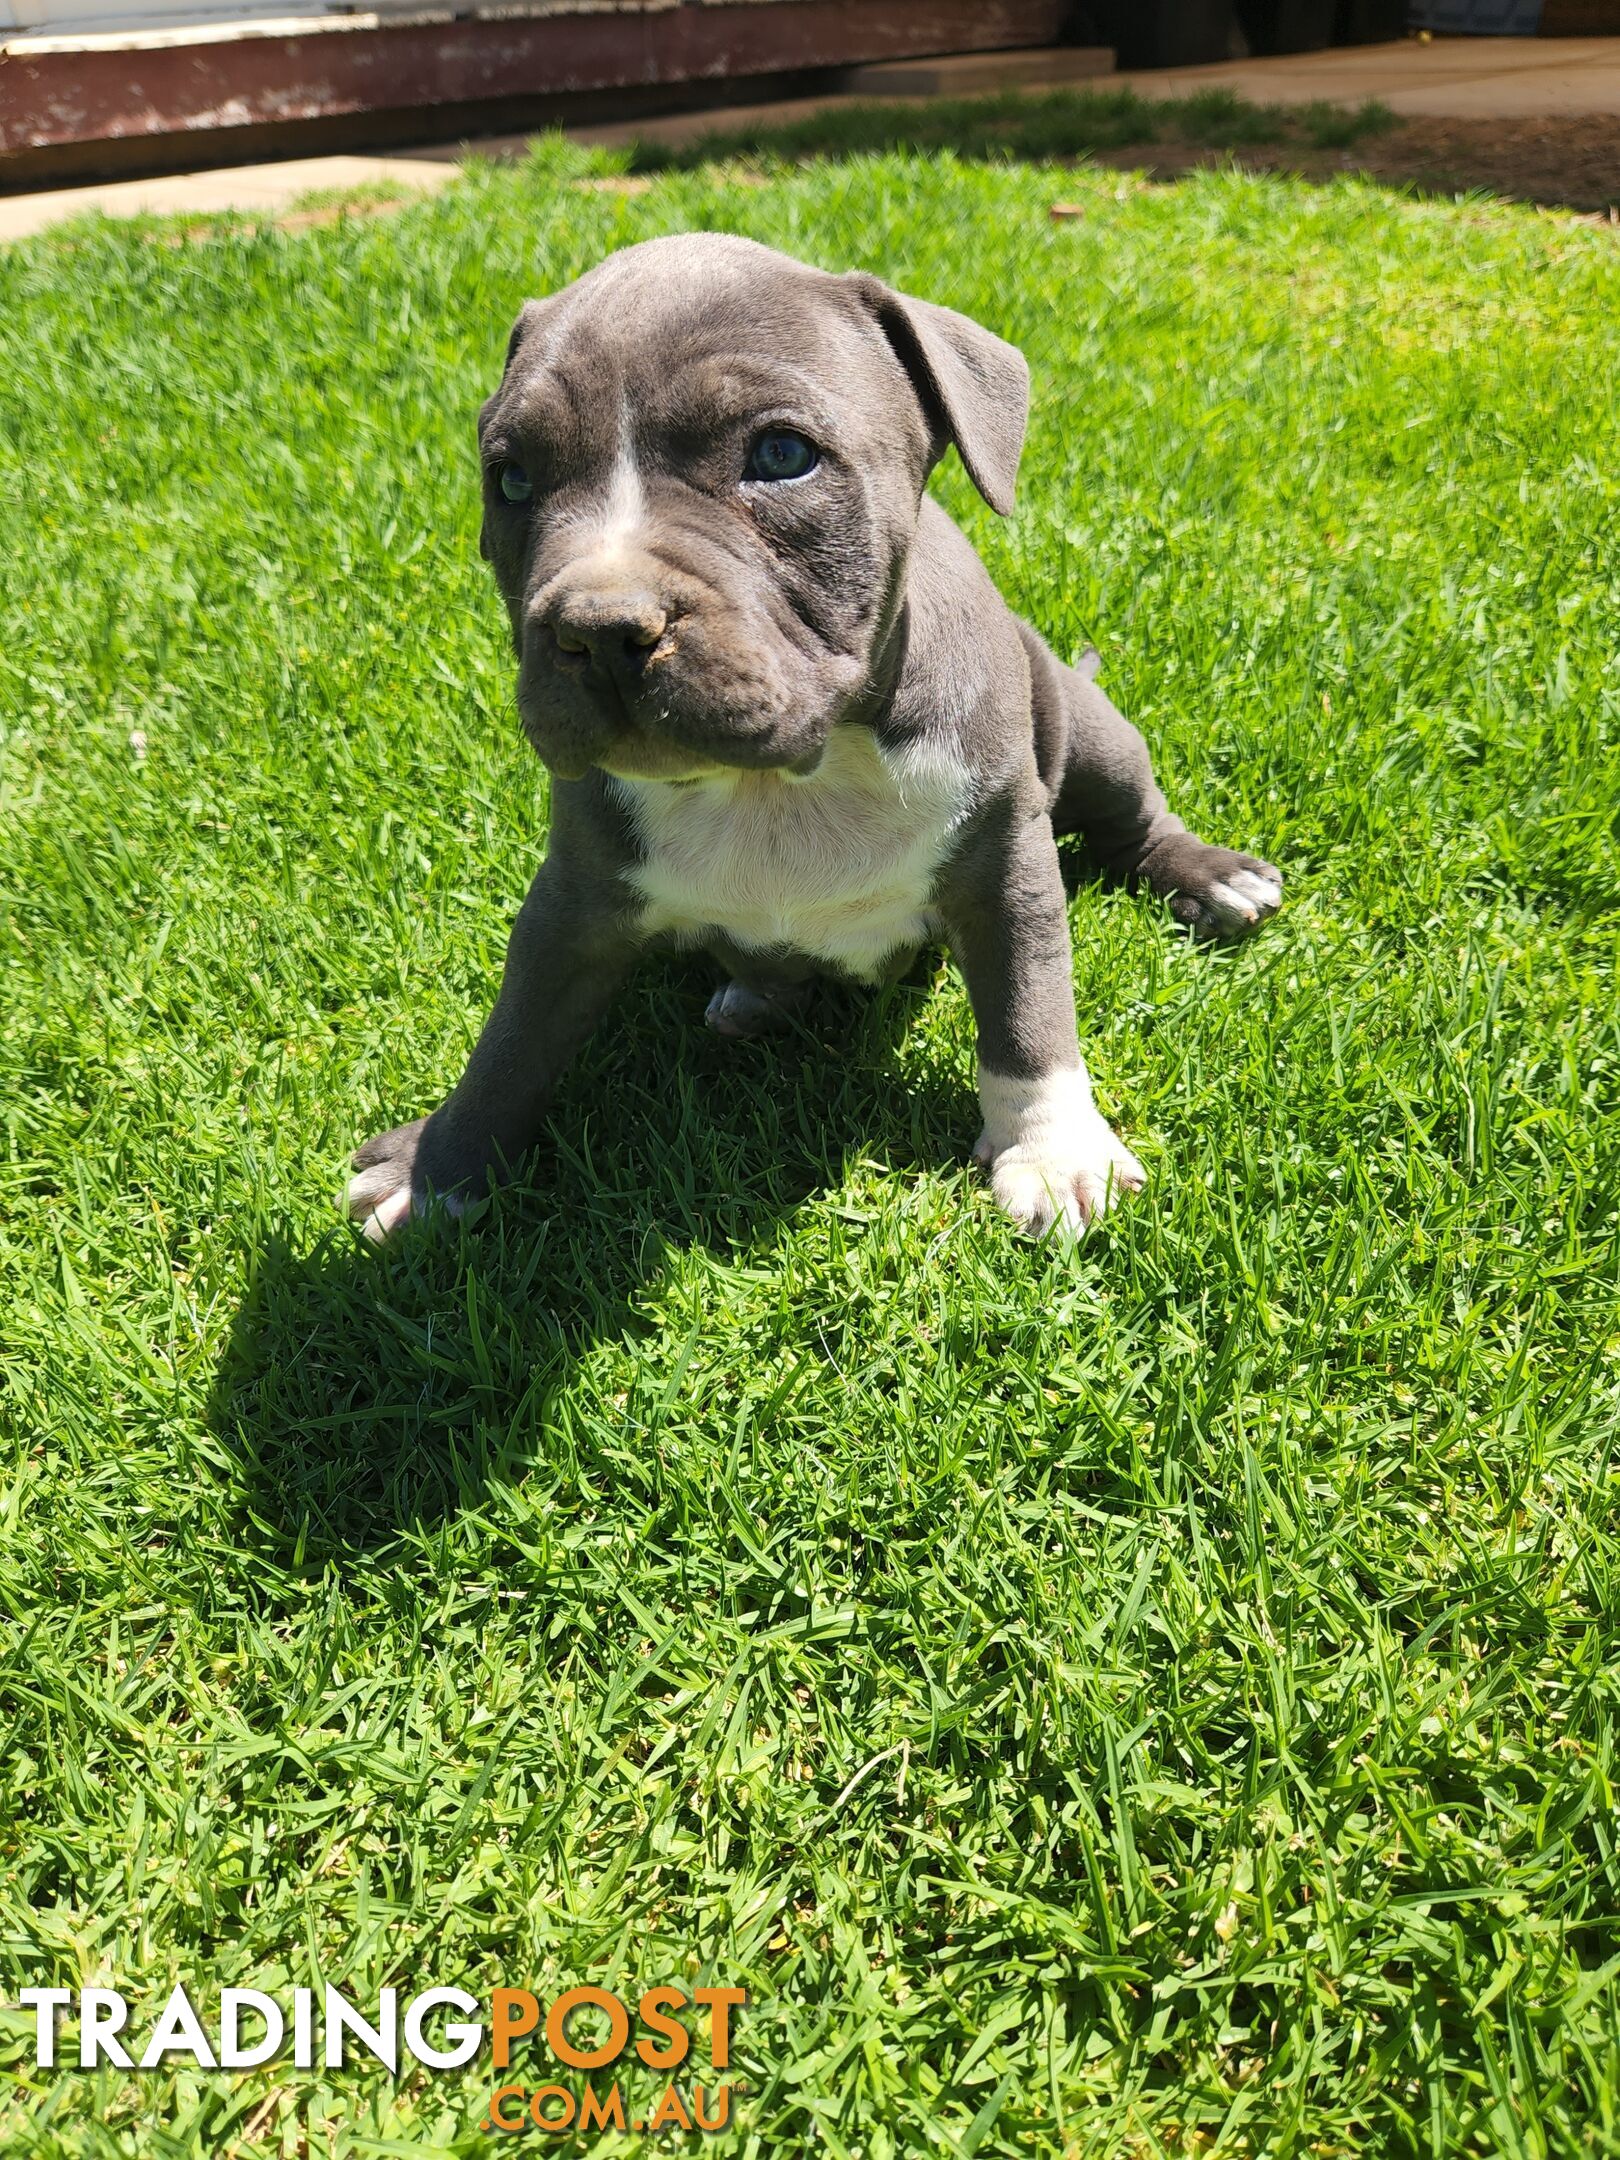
1157	1697
1016	123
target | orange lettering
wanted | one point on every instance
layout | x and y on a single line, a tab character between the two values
597	2114
512	2012
724	2101
721	2002
537	2110
498	2121
650	2009
587	2058
669	2111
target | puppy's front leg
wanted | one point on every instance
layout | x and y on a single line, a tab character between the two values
1051	1155
567	955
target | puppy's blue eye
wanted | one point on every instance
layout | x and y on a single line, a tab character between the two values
781	455
516	485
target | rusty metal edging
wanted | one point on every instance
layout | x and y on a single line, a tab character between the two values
113	92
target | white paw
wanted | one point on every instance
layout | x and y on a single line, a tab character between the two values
378	1196
737	1011
1054	1160
1242	899
379	1199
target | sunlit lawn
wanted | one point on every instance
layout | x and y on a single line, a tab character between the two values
1153	1698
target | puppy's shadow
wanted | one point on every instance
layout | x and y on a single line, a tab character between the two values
369	1394
1081	871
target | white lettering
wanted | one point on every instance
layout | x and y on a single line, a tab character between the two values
382	2038
464	2039
102	2013
43	2002
234	2052
178	2028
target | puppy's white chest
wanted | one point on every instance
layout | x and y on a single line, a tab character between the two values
837	866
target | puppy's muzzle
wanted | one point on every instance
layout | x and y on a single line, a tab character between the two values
609	631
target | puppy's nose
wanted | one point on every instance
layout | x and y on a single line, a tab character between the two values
615	625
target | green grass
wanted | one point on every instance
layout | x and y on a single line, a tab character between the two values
1021	124
1152	1698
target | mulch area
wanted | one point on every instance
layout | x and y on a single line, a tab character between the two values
1573	163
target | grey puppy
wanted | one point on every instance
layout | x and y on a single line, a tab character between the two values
788	716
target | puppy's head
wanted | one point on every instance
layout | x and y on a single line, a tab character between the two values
702	473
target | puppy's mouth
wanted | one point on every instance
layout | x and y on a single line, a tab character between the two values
636	756
691	706
571	737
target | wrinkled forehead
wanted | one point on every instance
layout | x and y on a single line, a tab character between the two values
675	338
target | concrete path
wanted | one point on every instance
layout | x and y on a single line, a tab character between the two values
1456	78
1451	78
276	188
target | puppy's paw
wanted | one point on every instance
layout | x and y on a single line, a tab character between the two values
1054	1160
739	1012
1215	891
388	1186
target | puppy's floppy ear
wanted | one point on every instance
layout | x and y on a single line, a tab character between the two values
973	386
528	315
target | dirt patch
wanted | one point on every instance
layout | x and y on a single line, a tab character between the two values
1573	163
310	211
331	208
612	184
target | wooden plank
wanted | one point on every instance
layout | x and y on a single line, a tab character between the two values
111	91
1580	18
